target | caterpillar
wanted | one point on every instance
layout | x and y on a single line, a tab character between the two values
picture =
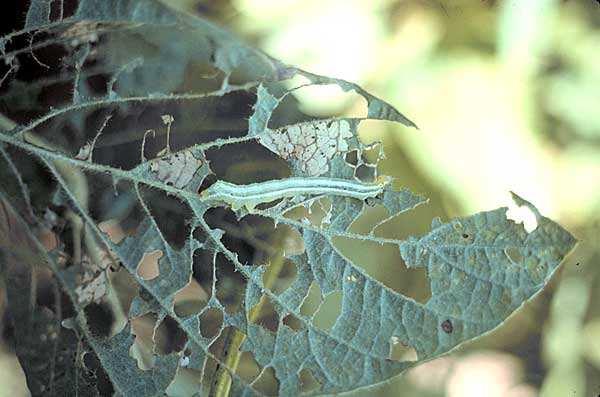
250	195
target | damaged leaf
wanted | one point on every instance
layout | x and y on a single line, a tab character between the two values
255	233
310	145
177	169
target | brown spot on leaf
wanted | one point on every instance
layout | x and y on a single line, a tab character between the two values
447	326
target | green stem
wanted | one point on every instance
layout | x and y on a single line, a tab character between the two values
222	385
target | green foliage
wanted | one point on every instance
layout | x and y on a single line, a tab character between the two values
95	146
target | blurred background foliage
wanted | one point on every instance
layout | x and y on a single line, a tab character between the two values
506	96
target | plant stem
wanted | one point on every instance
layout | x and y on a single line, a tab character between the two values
222	385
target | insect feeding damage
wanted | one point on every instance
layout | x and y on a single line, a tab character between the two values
447	326
312	145
176	170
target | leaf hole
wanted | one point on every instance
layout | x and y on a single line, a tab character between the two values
250	237
68	9
384	263
246	162
313	211
99	319
190	300
147	269
113	230
351	158
366	173
170	214
293	322
308	382
329	310
401	351
169	337
186	382
90	361
265	315
320	100
280	273
293	243
93	366
371	154
230	285
248	369
142	348
211	321
523	215
267	382
125	287
312	300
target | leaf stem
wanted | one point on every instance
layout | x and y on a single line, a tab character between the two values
222	385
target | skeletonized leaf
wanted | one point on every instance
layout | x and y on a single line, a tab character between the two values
481	268
177	169
311	145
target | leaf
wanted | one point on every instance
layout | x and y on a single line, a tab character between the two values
481	268
177	169
475	284
38	13
311	145
51	356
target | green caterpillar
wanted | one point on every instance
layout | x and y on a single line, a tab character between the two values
249	196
